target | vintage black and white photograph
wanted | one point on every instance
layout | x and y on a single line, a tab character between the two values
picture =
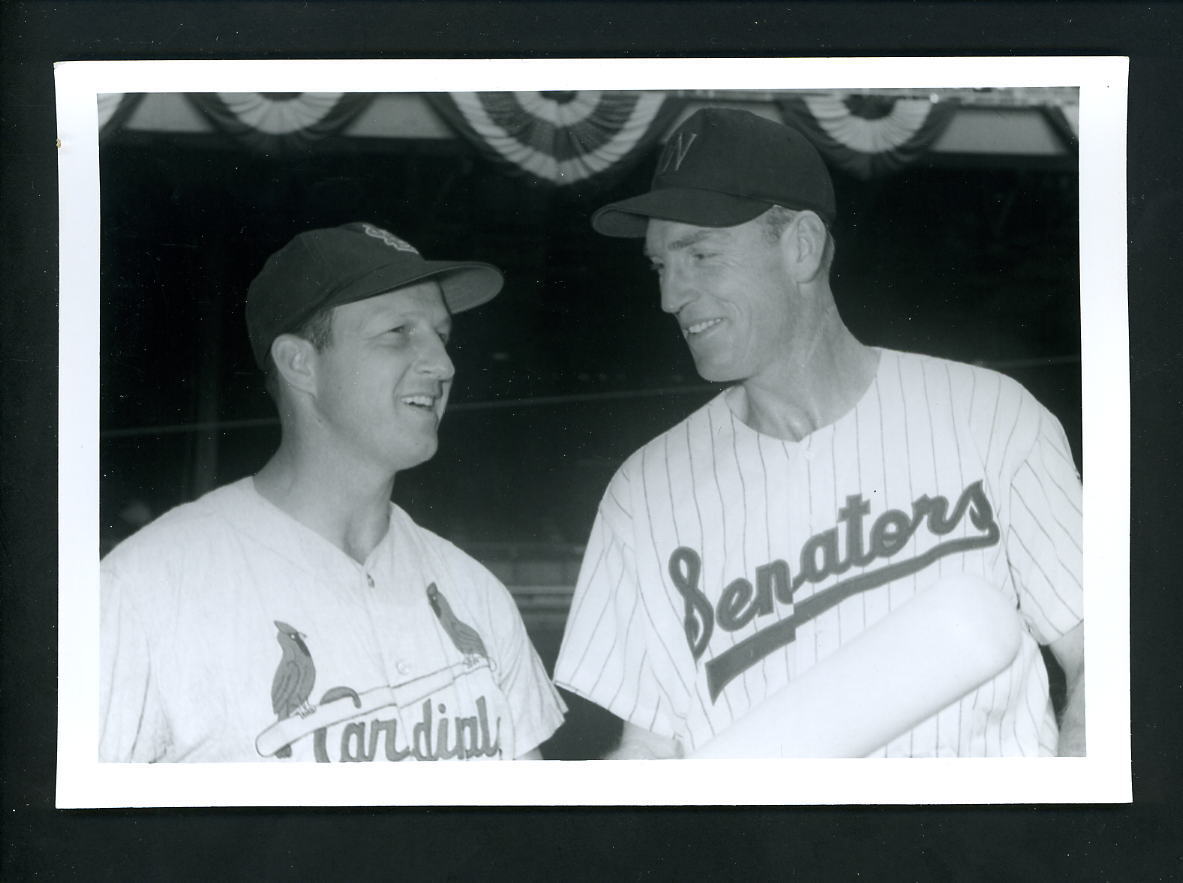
709	416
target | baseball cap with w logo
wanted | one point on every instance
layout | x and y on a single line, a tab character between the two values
340	265
723	167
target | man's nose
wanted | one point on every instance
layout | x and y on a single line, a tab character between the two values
676	291
434	359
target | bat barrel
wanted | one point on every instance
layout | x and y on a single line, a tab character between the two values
944	643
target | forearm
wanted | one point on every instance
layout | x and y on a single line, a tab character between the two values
1072	740
639	744
625	751
1069	653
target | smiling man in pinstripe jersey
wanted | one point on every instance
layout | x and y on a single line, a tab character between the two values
831	483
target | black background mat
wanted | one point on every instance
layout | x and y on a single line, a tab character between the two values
1135	842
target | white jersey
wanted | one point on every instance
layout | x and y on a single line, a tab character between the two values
723	563
231	632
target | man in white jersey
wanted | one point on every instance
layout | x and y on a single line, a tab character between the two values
298	614
831	483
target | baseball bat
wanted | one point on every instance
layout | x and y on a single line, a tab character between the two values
947	641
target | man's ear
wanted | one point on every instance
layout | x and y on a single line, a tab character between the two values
806	244
295	361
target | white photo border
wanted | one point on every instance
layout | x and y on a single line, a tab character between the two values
1101	777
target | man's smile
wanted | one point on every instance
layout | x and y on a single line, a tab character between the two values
700	327
424	402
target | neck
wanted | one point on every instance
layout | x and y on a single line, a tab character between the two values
811	387
349	510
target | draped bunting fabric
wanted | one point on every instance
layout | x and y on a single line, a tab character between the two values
276	121
114	109
1065	121
560	138
869	136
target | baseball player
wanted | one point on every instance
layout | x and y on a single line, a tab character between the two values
825	488
297	614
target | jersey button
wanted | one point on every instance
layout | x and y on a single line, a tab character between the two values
370	580
404	667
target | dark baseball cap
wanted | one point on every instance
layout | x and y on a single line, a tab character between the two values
723	167
340	265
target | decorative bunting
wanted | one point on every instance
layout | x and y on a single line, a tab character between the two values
114	110
279	120
1065	121
561	138
869	136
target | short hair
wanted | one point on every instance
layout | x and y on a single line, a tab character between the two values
776	220
317	329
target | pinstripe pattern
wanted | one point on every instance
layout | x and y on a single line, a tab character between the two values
759	544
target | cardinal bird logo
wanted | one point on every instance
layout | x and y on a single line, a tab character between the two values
464	636
293	678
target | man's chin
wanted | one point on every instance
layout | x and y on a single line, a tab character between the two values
713	373
417	457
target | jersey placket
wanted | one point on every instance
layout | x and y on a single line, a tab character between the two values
375	593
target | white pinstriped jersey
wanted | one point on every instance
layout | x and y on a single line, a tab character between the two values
723	562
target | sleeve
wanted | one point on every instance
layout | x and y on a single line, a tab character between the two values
1043	534
605	654
535	704
132	726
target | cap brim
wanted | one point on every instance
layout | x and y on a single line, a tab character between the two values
703	208
465	284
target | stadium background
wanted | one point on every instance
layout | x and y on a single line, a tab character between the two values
968	252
